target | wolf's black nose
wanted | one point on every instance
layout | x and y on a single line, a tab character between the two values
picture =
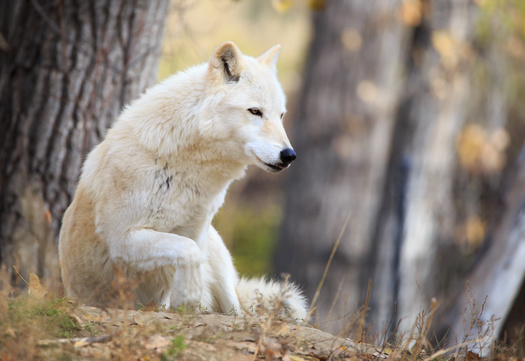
288	155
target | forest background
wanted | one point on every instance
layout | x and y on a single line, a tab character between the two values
408	123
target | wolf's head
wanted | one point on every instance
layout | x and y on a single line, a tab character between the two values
246	106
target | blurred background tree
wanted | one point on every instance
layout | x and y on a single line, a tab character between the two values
407	126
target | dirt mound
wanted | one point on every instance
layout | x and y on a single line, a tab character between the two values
143	335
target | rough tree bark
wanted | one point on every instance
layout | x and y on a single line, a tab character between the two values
66	70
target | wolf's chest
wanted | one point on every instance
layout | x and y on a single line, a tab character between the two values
179	204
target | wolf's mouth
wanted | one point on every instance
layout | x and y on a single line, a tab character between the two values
276	167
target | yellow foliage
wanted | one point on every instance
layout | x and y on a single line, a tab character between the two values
411	12
282	6
471	232
481	151
317	5
351	39
475	230
447	47
188	40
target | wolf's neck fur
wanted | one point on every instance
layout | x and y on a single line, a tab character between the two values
171	131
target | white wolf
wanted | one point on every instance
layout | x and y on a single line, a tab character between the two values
149	191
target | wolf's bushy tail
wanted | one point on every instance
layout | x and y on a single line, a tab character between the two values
259	295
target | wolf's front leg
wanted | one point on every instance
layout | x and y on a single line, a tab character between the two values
146	250
225	275
187	285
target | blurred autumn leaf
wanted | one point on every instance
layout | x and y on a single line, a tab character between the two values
475	230
367	91
471	232
481	151
282	6
351	39
447	48
317	5
411	12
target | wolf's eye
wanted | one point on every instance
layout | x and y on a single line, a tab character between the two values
256	111
282	115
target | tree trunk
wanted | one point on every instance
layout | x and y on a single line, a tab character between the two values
66	70
438	112
494	284
393	98
343	134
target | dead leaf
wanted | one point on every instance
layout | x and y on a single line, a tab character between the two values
472	356
35	289
156	342
10	332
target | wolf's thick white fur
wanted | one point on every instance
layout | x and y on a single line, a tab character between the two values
149	191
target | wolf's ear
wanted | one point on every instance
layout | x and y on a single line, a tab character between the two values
226	62
270	56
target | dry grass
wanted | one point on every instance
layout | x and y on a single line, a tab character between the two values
37	325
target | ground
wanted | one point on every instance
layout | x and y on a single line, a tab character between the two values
183	335
38	325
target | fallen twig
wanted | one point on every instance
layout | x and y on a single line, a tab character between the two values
77	341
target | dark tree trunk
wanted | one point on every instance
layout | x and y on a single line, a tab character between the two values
418	199
343	134
66	70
